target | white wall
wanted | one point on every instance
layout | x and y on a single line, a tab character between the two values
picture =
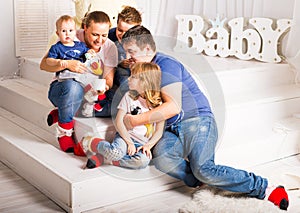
8	60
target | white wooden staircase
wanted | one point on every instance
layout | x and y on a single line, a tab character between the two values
255	120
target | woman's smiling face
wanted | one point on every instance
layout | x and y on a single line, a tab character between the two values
96	34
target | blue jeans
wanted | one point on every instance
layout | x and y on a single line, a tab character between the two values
67	96
117	151
195	139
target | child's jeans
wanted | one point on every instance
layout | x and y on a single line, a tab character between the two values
117	151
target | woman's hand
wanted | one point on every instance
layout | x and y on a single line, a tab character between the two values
63	63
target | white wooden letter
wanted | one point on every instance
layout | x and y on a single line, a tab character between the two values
219	46
189	37
270	37
243	44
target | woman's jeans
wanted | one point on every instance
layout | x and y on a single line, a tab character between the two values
67	96
117	151
186	151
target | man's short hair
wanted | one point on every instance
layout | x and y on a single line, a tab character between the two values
141	36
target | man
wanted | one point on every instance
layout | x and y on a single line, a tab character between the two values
191	132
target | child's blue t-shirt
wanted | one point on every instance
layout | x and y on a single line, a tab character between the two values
75	52
194	102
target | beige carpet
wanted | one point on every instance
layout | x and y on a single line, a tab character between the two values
210	200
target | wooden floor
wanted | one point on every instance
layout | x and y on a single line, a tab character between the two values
17	195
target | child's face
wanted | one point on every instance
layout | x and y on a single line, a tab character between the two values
134	83
122	28
67	32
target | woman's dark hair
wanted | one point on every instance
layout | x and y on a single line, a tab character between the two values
141	36
96	17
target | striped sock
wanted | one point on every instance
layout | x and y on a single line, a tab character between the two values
95	161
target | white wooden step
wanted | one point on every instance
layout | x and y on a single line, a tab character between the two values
249	115
231	74
237	76
252	115
249	153
26	99
30	70
60	175
282	141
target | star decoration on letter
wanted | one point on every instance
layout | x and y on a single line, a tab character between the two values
217	23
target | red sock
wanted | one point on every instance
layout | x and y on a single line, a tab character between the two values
97	107
52	117
66	144
95	161
279	197
101	97
78	150
66	141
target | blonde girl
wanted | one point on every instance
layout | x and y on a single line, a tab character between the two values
131	148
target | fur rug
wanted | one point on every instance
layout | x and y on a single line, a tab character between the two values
211	200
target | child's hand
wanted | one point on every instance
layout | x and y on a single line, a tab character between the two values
131	150
146	150
126	63
101	92
63	63
92	52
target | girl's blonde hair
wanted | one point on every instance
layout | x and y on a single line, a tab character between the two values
150	76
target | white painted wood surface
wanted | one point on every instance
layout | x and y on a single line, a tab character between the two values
17	195
29	146
61	176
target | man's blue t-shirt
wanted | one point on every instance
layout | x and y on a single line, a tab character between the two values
194	102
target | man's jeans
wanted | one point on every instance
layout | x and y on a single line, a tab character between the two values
67	96
187	150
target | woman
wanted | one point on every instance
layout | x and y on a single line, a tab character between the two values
67	94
